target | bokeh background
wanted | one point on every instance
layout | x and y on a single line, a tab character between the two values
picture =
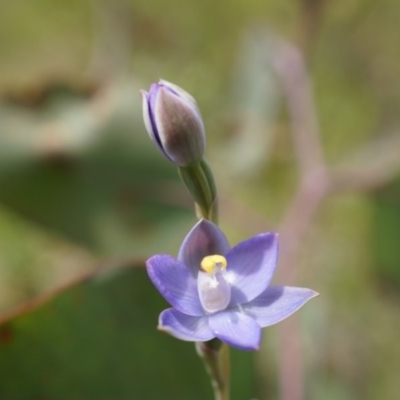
301	102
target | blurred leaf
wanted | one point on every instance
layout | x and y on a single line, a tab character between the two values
34	260
99	340
86	168
256	97
386	233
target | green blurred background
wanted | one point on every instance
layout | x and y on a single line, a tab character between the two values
85	197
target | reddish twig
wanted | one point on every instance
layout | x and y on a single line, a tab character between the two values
43	298
291	69
375	165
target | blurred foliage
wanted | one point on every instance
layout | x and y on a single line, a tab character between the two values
98	340
80	181
387	222
75	165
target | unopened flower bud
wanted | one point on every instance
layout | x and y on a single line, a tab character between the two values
174	123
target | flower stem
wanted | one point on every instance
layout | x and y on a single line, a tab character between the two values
199	180
215	355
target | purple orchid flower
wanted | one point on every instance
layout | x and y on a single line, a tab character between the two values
174	123
216	291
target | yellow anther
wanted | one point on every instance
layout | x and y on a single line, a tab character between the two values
209	264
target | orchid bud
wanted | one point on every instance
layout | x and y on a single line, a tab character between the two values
174	123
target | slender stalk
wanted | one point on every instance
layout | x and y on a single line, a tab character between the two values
199	180
216	361
213	211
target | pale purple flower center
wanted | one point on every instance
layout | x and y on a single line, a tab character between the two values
214	289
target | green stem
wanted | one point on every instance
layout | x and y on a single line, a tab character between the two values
210	177
199	180
213	211
216	361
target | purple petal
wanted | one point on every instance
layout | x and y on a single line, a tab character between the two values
203	240
148	102
251	265
237	329
180	127
152	96
174	281
185	327
146	115
178	91
277	303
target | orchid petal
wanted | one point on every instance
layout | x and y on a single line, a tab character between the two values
180	127
203	240
179	91
174	281
146	114
276	303
185	327
251	265
148	102
236	329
